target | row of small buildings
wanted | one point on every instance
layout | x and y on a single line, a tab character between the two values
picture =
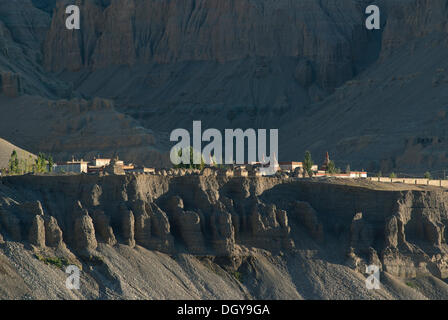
118	167
99	165
297	167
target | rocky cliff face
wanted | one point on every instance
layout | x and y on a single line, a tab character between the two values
142	32
327	37
10	84
142	211
296	66
83	218
23	29
410	20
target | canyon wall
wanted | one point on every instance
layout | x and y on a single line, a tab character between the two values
329	36
142	32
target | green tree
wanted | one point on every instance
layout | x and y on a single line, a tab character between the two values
13	164
331	167
29	164
308	164
25	166
348	169
22	166
191	165
41	163
428	175
379	174
392	175
50	163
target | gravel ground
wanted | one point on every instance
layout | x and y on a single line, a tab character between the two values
136	273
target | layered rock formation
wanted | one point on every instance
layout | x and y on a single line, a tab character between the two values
199	222
408	21
10	84
166	32
402	231
130	32
84	219
23	29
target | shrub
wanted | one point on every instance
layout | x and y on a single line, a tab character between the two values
348	169
54	261
238	276
331	167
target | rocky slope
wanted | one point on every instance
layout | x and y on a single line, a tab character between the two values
6	150
80	128
207	236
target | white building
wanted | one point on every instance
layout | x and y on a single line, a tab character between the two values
100	162
74	166
351	175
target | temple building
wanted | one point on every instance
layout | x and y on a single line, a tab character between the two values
324	166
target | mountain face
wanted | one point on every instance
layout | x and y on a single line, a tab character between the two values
167	32
294	65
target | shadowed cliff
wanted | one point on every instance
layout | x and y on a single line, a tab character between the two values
374	99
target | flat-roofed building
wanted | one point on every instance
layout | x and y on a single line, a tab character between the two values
358	174
98	165
128	167
98	162
290	165
74	166
116	167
